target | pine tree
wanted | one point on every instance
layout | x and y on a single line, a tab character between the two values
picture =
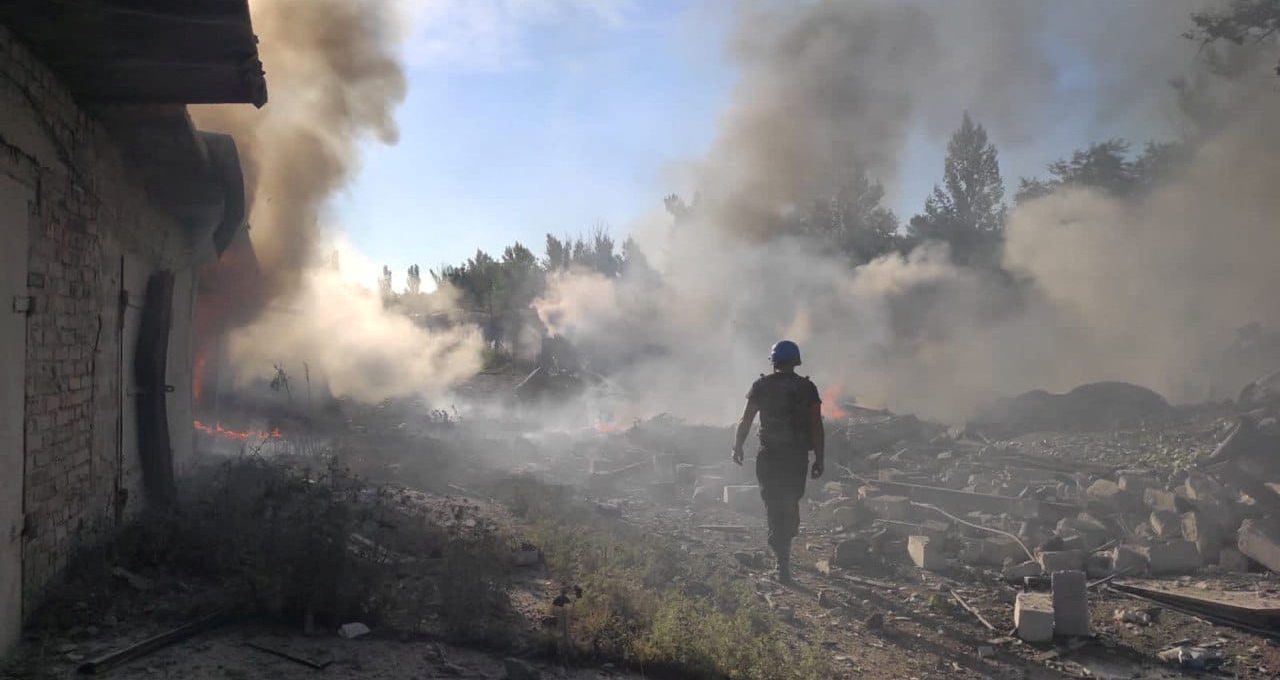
968	210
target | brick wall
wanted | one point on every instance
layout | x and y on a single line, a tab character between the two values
91	234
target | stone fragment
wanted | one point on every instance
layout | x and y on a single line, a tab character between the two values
1232	560
1106	493
353	630
1165	524
1060	560
1204	532
1097	565
1128	560
896	508
1172	557
1259	541
1135	482
743	497
1017	572
520	670
1070	603
1160	500
848	516
926	553
1033	616
990	552
1199	487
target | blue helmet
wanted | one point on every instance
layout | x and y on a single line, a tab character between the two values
785	352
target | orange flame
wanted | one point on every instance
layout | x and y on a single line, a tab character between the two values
831	403
217	430
610	428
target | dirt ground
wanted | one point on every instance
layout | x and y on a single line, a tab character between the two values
882	619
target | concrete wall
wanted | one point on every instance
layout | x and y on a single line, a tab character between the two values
91	236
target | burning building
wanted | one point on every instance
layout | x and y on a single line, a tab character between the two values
111	203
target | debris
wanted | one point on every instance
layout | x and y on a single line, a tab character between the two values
1165	524
965	501
1128	559
1258	541
971	610
743	497
890	507
1060	560
292	656
1232	560
926	553
823	567
1194	658
1202	487
1173	557
1204	532
1033	616
520	670
526	556
1070	604
851	552
1248	610
847	516
1017	572
1158	500
726	528
153	643
1140	617
353	630
135	581
992	552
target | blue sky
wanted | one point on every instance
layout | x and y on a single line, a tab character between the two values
531	116
575	118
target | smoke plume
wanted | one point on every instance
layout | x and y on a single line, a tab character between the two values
1092	288
335	80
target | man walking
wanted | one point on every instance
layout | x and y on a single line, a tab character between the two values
790	426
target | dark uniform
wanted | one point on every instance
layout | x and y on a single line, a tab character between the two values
785	401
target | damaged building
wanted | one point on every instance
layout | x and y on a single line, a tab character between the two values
111	202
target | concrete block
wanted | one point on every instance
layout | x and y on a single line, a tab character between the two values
743	497
1033	616
926	553
1070	603
1258	540
1204	532
1106	493
1129	560
1232	560
896	508
1135	482
990	552
1160	500
1172	557
1199	487
1060	560
1097	565
1165	524
1017	572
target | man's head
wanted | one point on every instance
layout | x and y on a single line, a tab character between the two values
785	355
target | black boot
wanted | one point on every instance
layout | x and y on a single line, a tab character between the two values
783	552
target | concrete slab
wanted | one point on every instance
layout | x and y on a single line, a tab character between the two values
1070	604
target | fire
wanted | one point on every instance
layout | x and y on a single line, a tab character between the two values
831	403
197	379
217	430
610	428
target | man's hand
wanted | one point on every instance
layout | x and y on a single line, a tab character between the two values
737	455
817	469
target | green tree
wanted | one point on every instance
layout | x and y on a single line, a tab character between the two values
1238	22
1107	166
968	210
413	282
853	221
